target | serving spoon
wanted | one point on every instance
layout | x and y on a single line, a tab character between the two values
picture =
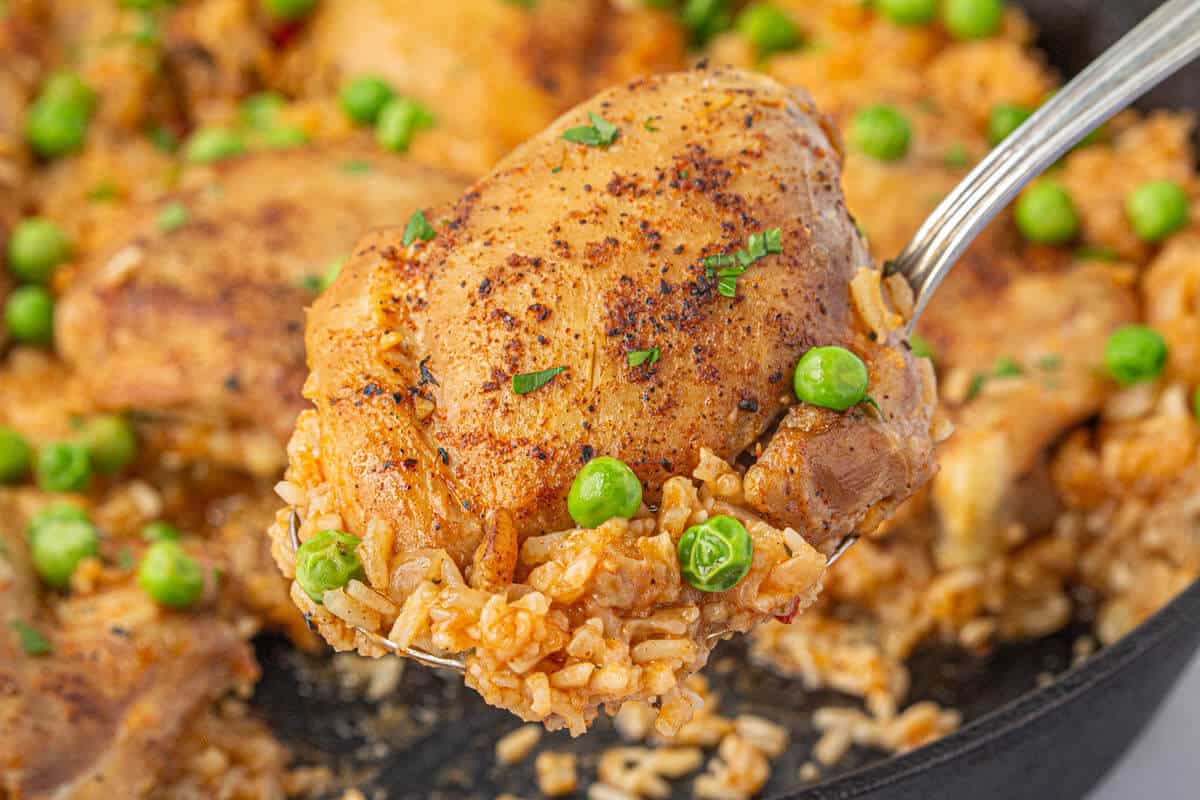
1159	46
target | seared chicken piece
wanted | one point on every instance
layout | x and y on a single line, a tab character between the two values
571	256
574	256
493	72
97	716
1007	343
196	311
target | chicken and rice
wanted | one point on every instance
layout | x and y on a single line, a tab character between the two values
180	180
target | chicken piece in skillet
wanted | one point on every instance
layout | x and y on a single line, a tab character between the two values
195	314
98	687
584	300
492	72
1008	341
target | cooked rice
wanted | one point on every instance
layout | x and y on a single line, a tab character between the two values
595	616
556	773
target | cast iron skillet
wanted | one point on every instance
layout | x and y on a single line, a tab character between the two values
434	738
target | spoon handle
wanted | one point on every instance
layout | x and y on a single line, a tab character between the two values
1164	42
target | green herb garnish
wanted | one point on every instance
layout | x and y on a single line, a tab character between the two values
728	267
356	167
638	357
601	133
172	217
526	382
957	156
977	382
32	641
418	228
1006	367
1049	363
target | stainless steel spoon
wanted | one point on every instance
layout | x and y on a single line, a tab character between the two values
1159	46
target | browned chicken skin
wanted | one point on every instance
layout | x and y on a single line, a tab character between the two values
574	256
204	320
493	72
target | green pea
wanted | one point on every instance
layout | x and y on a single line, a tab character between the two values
63	467
14	456
213	144
715	555
54	513
603	489
908	12
29	315
260	110
327	561
1135	353
920	347
363	97
36	247
1157	209
769	28
170	576
830	377
1005	119
59	546
704	19
881	132
160	531
289	9
399	121
57	121
111	442
973	19
1045	214
1196	403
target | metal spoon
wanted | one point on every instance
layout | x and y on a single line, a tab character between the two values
1159	46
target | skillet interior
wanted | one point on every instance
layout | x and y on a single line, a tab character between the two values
435	738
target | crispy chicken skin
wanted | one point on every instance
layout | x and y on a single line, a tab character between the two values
493	72
573	256
97	718
204	320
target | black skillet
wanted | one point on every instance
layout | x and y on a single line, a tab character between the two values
434	738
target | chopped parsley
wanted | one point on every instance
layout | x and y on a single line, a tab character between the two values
356	167
164	138
601	133
638	357
1006	367
649	124
526	382
957	156
977	382
728	267
173	217
1050	362
418	228
32	641
102	192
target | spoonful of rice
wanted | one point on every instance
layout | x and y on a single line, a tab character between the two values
635	391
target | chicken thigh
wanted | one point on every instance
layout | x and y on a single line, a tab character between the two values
196	312
581	301
492	72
